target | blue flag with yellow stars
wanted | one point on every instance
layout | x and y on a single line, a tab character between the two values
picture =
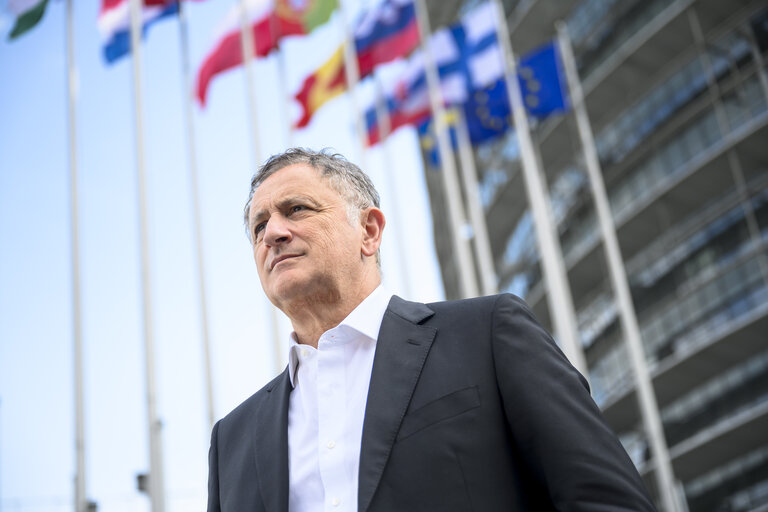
487	113
542	81
487	110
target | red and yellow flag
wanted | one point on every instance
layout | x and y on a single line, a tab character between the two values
321	86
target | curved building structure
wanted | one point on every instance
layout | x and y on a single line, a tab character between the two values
677	95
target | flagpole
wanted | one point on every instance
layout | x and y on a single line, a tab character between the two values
384	127
281	70
352	73
456	216
281	78
247	45
476	214
561	310
646	396
81	496
156	484
198	232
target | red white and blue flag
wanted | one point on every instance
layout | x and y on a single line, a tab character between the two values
385	33
468	57
115	23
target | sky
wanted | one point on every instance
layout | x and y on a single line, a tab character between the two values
37	452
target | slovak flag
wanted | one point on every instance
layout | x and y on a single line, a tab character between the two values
115	23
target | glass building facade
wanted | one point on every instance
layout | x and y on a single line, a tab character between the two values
677	95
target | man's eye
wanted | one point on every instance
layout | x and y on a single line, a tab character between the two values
297	208
259	229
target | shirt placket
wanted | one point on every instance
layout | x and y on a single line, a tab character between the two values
332	416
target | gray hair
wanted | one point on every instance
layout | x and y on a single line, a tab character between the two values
343	176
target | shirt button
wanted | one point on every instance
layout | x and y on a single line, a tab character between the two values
335	502
331	445
304	352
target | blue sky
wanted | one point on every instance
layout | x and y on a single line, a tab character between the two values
36	381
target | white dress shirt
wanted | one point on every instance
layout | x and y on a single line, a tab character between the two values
327	407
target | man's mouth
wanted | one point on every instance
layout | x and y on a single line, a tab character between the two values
282	258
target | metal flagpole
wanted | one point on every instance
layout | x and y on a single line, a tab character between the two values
246	46
456	215
81	496
156	485
476	214
384	126
281	71
198	233
558	290
647	399
281	81
352	73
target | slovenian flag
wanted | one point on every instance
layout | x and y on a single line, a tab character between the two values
115	23
270	21
385	33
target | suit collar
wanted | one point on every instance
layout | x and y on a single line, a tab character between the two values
401	350
365	319
271	444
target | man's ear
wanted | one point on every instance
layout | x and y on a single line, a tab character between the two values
372	221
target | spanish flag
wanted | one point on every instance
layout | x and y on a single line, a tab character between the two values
323	85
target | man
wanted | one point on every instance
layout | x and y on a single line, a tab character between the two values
389	405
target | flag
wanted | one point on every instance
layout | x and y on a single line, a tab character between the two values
323	85
270	21
382	34
28	14
385	33
487	112
428	138
115	24
542	81
467	56
401	113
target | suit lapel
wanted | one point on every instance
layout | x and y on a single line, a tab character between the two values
271	444
401	350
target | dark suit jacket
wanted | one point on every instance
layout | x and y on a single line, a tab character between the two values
471	406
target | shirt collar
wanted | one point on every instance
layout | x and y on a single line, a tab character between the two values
365	318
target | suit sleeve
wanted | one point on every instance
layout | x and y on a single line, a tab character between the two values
213	473
553	420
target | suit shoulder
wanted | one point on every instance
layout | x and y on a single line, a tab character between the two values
478	304
252	403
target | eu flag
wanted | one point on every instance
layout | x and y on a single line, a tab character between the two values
487	113
542	81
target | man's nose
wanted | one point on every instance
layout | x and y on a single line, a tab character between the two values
276	230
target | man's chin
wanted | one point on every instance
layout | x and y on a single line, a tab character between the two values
296	293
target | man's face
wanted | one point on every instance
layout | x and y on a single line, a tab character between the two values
305	248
